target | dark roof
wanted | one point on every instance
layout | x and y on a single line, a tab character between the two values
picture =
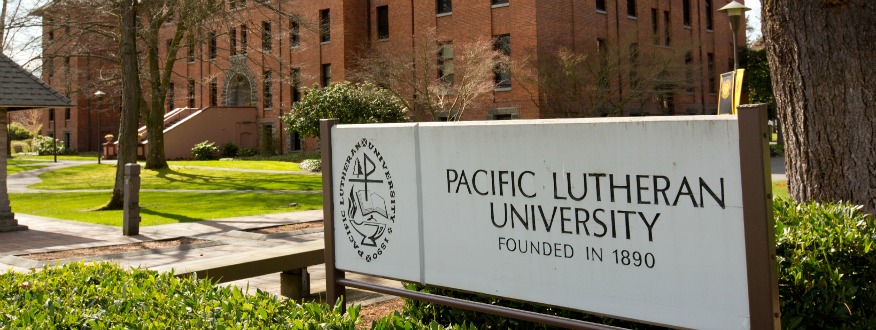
20	90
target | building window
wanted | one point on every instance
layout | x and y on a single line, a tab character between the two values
167	44
232	41
444	6
634	64
295	141
67	140
51	36
294	34
654	26
685	7
326	75
211	45
501	73
190	48
267	91
243	39
325	24
499	2
191	93
710	58
50	66
214	93
445	63
51	114
66	113
631	8
382	22
600	6
267	43
296	84
169	18
667	28
170	96
709	15
232	4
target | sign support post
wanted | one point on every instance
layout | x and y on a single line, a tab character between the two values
333	289
760	236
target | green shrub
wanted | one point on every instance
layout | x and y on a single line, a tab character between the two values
399	321
827	267
45	145
313	165
103	295
247	152
777	150
204	151
351	103
18	132
229	150
20	146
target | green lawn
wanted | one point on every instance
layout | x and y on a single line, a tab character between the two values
162	208
60	157
95	176
16	165
780	189
273	165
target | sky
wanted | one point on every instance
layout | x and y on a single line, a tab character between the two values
22	57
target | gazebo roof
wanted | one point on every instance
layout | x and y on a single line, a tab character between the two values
20	90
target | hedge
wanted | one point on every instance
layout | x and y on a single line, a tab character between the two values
103	295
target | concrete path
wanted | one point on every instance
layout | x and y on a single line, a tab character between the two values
777	169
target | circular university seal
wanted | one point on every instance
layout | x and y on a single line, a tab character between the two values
367	201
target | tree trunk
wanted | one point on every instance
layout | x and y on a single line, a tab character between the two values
155	159
823	66
130	100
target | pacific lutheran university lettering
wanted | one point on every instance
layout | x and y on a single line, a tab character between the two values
579	197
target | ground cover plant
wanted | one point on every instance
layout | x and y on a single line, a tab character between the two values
162	208
103	295
95	176
272	165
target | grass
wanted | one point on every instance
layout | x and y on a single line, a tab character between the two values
18	165
94	176
273	165
162	208
780	189
60	157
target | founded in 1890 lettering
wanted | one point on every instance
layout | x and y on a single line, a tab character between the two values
367	198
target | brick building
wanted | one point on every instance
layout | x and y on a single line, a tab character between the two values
263	52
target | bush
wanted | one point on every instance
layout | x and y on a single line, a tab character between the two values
777	150
204	151
229	150
103	295
17	132
827	267
351	103
313	165
44	146
20	146
247	152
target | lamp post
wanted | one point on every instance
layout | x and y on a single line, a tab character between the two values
734	11
98	95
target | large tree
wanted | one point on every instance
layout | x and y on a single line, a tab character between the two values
822	63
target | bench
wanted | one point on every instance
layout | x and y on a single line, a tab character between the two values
290	260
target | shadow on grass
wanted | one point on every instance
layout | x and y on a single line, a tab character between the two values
177	217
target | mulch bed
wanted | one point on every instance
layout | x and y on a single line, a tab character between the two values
112	249
286	228
374	312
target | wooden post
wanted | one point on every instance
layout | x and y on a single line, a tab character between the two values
131	218
333	290
757	208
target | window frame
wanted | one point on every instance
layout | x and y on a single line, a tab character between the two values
502	75
267	90
632	11
383	22
267	36
325	26
443	7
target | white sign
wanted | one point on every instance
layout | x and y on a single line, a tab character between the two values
633	218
